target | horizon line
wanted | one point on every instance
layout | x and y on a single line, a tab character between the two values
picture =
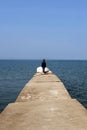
42	58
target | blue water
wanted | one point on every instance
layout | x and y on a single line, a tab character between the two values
14	74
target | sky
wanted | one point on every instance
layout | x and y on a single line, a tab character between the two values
37	29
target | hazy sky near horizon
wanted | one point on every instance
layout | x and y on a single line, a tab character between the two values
36	29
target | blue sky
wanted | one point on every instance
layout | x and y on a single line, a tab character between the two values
37	29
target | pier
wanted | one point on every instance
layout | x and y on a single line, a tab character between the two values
44	104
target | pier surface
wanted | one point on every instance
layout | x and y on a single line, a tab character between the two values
44	104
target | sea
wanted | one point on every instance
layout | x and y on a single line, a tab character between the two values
14	74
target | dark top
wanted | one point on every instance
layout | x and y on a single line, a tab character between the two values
43	64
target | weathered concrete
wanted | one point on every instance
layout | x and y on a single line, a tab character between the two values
43	87
44	104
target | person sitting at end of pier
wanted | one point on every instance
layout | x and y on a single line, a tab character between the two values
43	65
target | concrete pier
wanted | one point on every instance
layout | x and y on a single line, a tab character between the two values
44	104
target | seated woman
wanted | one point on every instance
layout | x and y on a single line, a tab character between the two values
43	64
43	68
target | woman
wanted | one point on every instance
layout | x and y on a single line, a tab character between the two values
43	65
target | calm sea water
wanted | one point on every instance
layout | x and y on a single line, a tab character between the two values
14	74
